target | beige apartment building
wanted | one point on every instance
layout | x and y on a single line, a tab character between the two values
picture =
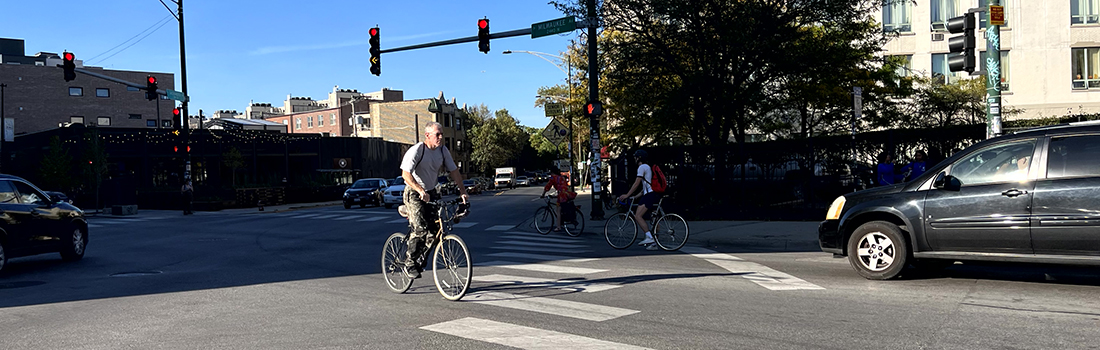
1050	50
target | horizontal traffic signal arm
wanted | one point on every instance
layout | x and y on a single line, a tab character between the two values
117	80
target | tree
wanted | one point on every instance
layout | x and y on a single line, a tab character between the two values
232	159
56	168
94	162
497	141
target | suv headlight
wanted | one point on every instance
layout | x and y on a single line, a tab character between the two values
835	209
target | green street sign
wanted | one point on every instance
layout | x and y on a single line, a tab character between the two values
174	95
557	26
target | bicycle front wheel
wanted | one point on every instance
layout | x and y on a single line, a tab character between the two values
544	220
671	232
620	231
393	257
576	227
452	268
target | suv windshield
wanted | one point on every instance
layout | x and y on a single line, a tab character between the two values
365	184
398	181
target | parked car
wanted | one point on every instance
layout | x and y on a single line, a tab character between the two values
32	223
446	186
472	186
392	194
522	181
364	191
1025	197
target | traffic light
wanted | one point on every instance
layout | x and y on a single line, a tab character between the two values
150	87
69	65
593	109
177	121
483	35
375	53
962	46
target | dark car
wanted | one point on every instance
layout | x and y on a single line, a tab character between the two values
1032	196
472	186
363	192
58	197
31	223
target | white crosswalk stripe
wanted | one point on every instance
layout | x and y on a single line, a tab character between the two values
325	216
762	275
398	221
349	217
540	257
541	267
540	249
533	282
542	239
302	216
465	225
567	308
94	225
521	337
500	228
543	244
376	218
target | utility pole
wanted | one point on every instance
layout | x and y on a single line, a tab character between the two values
186	97
994	19
594	120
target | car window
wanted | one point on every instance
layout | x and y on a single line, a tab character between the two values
28	195
398	181
995	163
365	184
1074	156
7	192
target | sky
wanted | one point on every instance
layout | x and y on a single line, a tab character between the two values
260	51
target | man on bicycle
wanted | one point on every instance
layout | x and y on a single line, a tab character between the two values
559	184
648	199
420	168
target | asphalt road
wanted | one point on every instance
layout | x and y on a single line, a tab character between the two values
309	279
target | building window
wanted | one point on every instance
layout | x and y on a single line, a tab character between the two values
320	120
136	116
333	120
75	91
896	16
309	121
76	120
942	10
150	123
102	92
941	73
297	123
103	121
366	122
1005	76
166	123
286	122
903	64
1086	68
458	145
1084	11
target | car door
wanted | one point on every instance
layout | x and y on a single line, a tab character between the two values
45	217
1066	217
991	210
18	221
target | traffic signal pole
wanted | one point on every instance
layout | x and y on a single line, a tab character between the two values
594	118
992	69
186	97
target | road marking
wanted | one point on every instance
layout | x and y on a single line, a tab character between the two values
569	284
500	228
301	216
542	244
349	217
376	218
543	238
521	337
541	257
465	225
540	249
541	267
398	221
94	225
574	309
325	216
764	276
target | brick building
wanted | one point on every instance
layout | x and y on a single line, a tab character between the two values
37	97
403	122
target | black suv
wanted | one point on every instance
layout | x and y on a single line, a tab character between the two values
32	223
1032	196
364	191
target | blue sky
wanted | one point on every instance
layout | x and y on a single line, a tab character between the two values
241	51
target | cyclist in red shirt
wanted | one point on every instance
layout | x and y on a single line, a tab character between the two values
560	184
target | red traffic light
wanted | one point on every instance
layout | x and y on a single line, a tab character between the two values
151	79
373	31
175	148
175	112
69	56
482	23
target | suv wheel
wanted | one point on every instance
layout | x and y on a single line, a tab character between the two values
74	250
3	256
877	250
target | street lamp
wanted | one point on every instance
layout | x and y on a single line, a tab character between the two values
569	80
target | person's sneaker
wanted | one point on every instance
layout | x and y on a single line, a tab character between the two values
412	272
646	241
652	247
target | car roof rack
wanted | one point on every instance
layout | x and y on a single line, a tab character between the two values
1060	126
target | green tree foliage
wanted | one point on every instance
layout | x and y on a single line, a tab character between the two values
496	141
57	167
233	160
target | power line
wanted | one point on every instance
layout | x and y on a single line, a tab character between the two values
158	25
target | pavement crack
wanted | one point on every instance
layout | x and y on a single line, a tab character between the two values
1032	310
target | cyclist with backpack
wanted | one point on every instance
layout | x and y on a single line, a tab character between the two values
419	168
650	192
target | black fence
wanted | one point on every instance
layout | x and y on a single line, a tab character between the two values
786	179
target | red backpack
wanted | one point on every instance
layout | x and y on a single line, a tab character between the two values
659	184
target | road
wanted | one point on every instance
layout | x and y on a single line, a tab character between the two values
309	279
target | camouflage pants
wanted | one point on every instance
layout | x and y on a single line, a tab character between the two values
423	222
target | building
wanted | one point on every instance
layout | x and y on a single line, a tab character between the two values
343	113
37	97
403	122
1050	50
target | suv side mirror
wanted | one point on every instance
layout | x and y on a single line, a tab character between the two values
947	182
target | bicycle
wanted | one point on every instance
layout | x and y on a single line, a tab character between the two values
452	268
670	231
545	219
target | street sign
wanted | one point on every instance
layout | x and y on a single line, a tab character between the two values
555	132
174	95
554	109
996	15
561	25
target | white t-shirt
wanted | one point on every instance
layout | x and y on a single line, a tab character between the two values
432	163
646	174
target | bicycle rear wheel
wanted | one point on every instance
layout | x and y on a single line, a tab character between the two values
452	268
393	257
671	232
544	220
577	226
620	231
